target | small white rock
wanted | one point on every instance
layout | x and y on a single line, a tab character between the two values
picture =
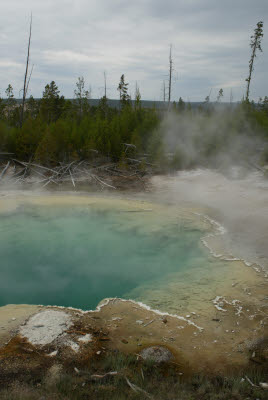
263	385
74	346
53	354
86	338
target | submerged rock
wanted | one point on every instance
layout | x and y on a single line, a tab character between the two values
156	353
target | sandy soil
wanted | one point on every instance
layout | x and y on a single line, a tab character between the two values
11	317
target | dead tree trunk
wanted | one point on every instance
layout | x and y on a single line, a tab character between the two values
105	89
170	75
164	91
26	82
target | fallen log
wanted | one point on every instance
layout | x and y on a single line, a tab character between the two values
71	177
140	161
102	182
4	171
25	164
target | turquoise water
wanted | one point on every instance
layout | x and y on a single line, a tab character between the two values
71	256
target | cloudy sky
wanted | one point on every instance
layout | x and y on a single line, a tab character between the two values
72	38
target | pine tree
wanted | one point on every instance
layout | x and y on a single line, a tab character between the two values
137	97
220	95
32	107
123	91
2	106
82	96
52	103
181	105
255	44
10	102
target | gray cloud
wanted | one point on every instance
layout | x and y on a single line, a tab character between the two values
85	37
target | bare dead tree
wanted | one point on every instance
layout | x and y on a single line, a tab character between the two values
26	81
170	74
105	84
164	91
231	96
29	79
255	44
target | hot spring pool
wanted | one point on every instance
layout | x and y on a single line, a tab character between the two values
76	255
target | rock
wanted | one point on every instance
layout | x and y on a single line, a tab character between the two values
74	346
53	353
44	327
156	353
263	385
86	338
164	320
53	374
124	341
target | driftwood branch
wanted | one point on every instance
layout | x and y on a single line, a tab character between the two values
137	389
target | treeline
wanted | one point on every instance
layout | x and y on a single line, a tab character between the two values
55	129
58	130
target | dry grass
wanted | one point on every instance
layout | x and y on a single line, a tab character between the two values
162	382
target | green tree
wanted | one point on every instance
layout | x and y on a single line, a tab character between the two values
255	44
264	104
103	106
10	102
32	107
82	96
51	103
181	105
137	97
220	95
123	91
2	106
28	138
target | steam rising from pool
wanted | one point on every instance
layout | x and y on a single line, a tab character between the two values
237	199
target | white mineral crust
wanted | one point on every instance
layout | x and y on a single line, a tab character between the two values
43	328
